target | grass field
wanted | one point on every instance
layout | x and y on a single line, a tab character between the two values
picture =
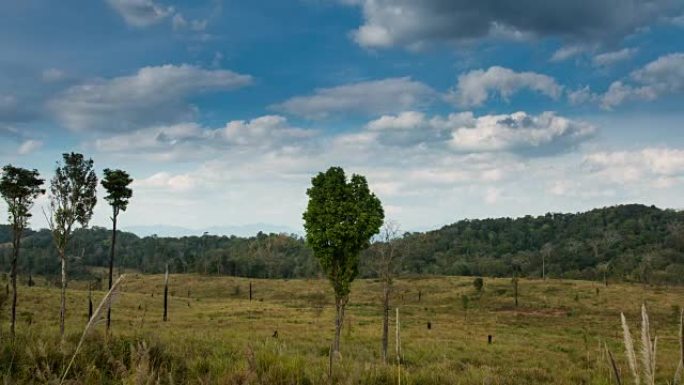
216	335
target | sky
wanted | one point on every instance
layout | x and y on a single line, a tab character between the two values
222	111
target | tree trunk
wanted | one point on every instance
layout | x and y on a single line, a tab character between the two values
166	293
111	268
62	307
15	257
340	303
385	321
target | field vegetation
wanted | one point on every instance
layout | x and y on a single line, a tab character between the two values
557	334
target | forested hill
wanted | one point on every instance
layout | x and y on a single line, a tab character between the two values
629	242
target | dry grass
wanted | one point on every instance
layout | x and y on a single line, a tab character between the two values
216	335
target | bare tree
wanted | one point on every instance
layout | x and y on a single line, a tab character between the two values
386	263
72	200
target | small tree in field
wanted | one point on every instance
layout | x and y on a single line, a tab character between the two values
116	183
478	284
386	263
340	220
19	188
72	200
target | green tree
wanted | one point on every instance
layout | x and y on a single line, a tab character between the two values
118	194
72	200
340	220
19	188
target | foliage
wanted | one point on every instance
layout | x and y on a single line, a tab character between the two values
651	246
340	220
72	196
118	193
19	188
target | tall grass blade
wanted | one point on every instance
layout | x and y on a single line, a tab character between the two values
104	304
647	353
629	349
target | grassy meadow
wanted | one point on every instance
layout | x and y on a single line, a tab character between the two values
215	335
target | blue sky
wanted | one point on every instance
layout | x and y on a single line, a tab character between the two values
223	110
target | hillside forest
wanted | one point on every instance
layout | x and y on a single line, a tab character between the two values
633	243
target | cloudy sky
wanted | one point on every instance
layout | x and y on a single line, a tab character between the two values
222	111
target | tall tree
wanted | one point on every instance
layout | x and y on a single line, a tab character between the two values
340	220
386	262
72	200
19	188
118	194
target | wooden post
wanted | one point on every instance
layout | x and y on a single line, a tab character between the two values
250	291
166	293
330	363
489	339
398	349
90	301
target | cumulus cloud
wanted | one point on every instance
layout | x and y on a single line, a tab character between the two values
475	87
610	58
153	95
140	13
519	132
191	139
368	98
662	76
412	23
661	167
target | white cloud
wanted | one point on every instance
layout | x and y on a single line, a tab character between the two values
610	58
370	98
660	77
475	87
29	146
660	167
582	95
566	52
153	95
187	140
165	180
140	13
520	132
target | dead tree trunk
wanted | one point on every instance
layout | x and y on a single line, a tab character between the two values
15	258
111	267
385	321
166	293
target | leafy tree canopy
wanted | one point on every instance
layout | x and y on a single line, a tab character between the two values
19	187
118	193
340	220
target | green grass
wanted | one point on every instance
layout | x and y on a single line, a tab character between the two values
216	335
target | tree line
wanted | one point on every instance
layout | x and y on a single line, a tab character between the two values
627	243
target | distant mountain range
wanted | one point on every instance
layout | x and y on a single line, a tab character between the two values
239	231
